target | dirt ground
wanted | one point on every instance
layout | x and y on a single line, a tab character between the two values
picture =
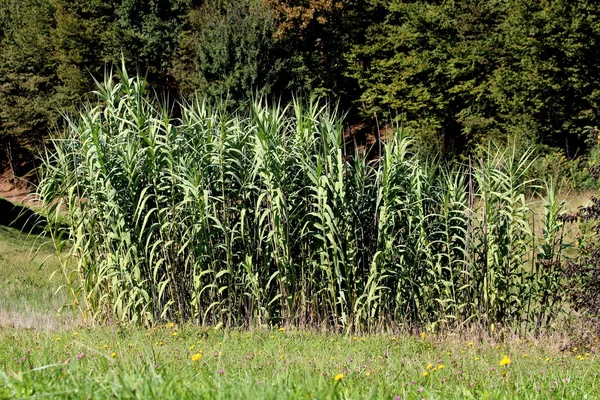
17	189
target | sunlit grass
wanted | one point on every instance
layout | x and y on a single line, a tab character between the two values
207	363
28	295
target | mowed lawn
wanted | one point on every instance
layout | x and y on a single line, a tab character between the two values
47	354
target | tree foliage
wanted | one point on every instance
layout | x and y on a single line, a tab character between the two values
457	73
27	71
468	71
226	50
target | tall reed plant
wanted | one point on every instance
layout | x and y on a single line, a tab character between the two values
269	216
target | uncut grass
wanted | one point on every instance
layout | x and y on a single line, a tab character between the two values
29	297
158	363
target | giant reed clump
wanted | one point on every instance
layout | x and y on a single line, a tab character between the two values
262	216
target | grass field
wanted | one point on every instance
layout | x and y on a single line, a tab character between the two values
47	354
29	298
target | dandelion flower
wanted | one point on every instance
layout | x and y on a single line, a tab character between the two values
429	366
75	333
441	366
170	325
425	373
423	334
338	377
505	360
113	354
281	329
368	373
196	357
470	344
174	334
192	347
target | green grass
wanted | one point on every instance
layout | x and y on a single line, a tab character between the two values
28	296
111	362
58	359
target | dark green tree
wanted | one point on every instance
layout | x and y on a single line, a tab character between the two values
146	33
227	50
27	73
464	72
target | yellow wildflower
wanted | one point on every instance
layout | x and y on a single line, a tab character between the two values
174	334
425	373
368	373
281	329
196	357
338	377
423	334
113	354
505	360
170	325
441	366
429	366
470	344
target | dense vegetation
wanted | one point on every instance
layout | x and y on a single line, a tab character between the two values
459	73
268	210
45	354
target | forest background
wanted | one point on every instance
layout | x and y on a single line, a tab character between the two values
455	73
